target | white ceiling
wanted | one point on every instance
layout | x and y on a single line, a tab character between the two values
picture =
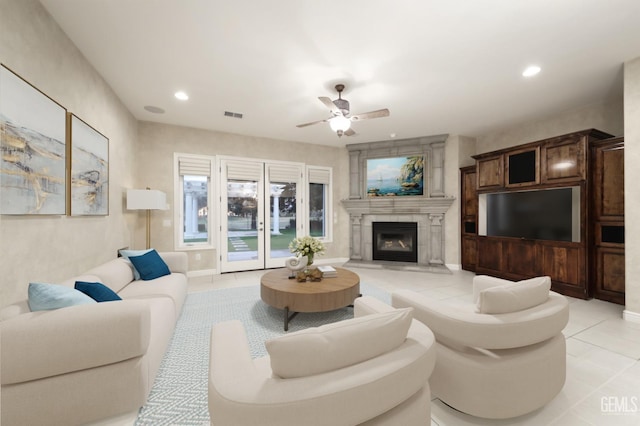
439	66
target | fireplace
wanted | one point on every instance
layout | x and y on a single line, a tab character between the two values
395	241
426	212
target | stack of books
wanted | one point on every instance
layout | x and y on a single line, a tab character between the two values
328	271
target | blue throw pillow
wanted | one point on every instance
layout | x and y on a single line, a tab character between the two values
150	265
129	253
43	297
97	291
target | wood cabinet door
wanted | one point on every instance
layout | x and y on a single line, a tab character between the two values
608	188
469	253
469	194
609	279
564	160
522	258
490	172
564	265
490	256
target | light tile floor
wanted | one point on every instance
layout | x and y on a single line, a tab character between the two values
603	351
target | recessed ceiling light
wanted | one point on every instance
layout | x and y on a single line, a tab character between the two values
531	71
392	135
154	109
181	95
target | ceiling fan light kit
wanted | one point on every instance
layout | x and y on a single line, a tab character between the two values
340	120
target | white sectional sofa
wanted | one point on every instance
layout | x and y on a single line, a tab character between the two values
86	363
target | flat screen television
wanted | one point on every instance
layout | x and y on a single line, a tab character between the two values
548	214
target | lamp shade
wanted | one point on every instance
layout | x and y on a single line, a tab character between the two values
339	122
146	199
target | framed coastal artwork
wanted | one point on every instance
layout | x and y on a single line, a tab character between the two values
89	171
32	149
396	176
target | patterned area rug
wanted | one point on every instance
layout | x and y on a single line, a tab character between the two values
179	394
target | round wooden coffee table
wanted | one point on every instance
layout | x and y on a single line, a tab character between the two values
277	290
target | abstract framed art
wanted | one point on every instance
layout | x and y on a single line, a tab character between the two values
89	169
32	149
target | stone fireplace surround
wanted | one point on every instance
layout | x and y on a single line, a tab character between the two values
427	211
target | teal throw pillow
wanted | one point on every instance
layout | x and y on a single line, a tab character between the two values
150	265
97	291
129	253
44	297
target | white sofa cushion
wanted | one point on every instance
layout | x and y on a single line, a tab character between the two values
514	297
333	346
482	282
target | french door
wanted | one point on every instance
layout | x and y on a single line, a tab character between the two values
261	212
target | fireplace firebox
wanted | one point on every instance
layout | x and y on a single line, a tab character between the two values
395	241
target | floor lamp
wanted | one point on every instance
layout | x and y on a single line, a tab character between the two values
146	199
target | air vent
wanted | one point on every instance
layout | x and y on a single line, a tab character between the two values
232	114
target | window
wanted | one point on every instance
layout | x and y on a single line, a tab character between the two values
194	212
320	206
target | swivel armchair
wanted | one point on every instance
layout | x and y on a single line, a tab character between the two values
502	356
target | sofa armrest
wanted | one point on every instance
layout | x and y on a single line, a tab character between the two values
367	305
232	357
455	325
177	261
42	344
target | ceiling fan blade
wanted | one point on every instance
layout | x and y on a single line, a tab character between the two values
313	122
371	114
329	104
349	132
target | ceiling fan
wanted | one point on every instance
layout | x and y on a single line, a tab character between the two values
340	120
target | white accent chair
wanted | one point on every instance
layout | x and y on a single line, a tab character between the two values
502	356
389	388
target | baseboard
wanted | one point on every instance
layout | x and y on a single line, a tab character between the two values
201	273
453	266
631	316
317	261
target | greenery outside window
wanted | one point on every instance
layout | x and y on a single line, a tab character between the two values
320	206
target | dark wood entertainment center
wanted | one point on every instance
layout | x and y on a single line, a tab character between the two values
590	266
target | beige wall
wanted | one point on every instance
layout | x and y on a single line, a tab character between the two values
458	152
606	116
55	247
158	142
631	190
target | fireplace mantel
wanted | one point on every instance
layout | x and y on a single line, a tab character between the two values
398	205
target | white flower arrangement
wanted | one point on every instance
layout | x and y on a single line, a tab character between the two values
306	246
